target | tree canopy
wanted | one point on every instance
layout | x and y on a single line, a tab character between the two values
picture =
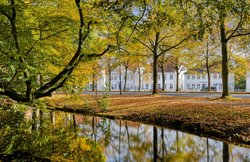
45	45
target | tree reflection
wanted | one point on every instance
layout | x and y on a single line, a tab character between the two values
225	152
56	144
155	146
57	136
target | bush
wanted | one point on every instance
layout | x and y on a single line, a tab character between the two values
103	102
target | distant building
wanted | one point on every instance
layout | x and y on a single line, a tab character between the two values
187	81
133	83
199	81
169	83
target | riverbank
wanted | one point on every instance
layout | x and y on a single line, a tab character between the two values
227	120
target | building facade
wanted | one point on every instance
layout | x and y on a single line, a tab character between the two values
143	81
199	82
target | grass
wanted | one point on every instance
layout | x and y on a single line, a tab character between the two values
226	119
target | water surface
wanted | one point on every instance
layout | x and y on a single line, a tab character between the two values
59	136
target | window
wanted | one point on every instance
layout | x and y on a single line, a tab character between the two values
171	77
188	76
215	75
198	86
146	86
203	86
198	76
188	86
115	86
220	86
193	76
171	86
115	78
193	86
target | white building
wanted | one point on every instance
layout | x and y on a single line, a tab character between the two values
187	81
101	82
132	83
115	79
170	80
198	82
248	82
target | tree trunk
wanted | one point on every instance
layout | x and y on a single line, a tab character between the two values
96	90
93	82
208	79
139	76
120	78
109	81
224	41
177	80
125	78
163	79
154	74
208	69
155	58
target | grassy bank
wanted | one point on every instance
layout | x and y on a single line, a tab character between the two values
228	120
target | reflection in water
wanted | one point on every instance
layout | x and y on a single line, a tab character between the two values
58	136
225	152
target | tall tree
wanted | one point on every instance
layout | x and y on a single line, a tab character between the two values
160	31
207	51
231	18
48	39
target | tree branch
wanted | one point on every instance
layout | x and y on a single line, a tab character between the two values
174	46
240	34
97	55
237	27
143	13
54	34
145	45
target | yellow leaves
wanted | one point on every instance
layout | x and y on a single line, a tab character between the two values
54	69
80	145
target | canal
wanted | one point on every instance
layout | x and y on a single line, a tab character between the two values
35	135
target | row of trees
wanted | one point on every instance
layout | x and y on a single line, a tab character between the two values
45	45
